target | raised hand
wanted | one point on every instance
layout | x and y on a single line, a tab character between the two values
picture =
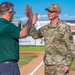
35	18
28	12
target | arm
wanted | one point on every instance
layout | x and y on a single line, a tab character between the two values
69	40
71	48
35	33
25	31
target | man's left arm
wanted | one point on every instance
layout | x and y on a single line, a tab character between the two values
69	40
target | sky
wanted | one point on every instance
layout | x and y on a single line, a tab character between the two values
38	6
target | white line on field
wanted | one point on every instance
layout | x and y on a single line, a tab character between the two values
36	68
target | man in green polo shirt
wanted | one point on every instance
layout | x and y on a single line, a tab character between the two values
9	35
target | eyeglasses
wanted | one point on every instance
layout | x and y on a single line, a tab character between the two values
13	12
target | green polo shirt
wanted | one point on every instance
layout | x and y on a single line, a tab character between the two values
9	44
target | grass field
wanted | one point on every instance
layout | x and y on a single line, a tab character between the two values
32	48
73	64
26	59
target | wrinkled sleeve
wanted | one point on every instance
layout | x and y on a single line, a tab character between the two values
69	43
36	33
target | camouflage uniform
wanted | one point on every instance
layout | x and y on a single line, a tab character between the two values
59	46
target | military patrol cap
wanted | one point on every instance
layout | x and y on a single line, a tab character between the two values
54	7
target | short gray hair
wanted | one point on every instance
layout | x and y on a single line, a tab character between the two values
5	7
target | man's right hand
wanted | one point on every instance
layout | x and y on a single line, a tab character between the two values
29	12
66	69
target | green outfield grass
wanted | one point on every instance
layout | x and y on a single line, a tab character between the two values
26	59
32	48
73	64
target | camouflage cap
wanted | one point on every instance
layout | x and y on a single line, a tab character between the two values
54	7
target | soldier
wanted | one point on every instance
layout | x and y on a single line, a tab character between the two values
59	46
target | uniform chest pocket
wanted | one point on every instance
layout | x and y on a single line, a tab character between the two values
58	36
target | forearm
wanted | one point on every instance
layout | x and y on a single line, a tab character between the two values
35	33
26	29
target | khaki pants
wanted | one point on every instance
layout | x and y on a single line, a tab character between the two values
55	70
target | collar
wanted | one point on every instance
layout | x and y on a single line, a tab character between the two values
2	19
54	26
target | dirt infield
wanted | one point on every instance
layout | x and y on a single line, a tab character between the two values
35	67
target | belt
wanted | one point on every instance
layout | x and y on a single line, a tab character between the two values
7	62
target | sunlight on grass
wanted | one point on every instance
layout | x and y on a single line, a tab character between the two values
32	48
25	60
73	65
